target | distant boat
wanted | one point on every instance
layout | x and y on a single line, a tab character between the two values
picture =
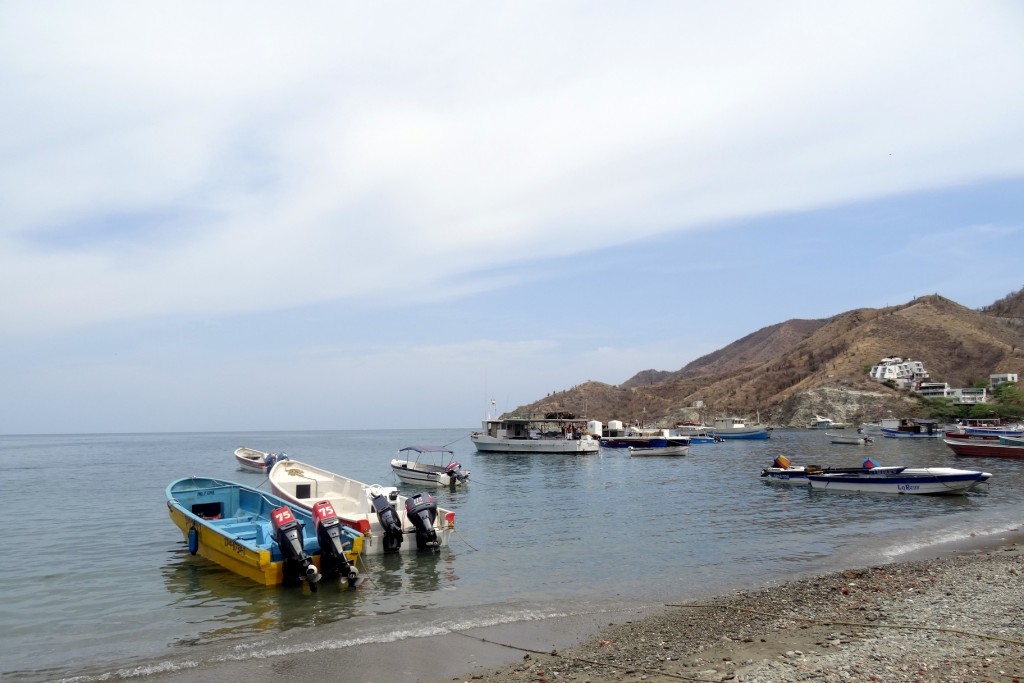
852	439
737	428
643	451
984	448
984	427
252	460
912	428
820	422
556	433
443	471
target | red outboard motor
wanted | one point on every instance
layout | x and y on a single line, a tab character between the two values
455	473
388	518
332	547
288	533
422	511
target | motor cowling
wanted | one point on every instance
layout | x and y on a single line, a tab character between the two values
288	534
332	545
387	515
456	473
422	511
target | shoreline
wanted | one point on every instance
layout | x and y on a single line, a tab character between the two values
835	627
958	617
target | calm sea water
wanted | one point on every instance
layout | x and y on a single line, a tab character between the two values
96	582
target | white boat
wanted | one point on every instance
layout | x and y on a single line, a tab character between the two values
820	422
738	428
554	433
853	439
252	460
642	451
925	480
445	471
383	516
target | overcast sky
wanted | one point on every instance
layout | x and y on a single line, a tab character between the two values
339	215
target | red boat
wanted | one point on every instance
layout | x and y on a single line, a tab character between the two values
984	448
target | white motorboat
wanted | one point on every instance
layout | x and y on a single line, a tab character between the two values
383	516
925	480
252	460
444	471
852	439
643	451
820	422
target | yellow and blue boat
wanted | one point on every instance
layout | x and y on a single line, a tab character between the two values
260	536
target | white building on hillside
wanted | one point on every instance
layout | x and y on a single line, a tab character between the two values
907	374
1001	378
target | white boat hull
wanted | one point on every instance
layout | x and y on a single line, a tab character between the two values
490	444
412	472
303	485
644	451
923	481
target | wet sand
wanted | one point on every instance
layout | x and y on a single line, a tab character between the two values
958	617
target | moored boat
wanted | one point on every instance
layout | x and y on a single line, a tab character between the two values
912	428
552	433
259	536
984	448
443	471
852	439
252	460
738	428
989	427
644	451
783	471
820	422
383	516
923	481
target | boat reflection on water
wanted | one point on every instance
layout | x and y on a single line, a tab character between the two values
408	574
221	604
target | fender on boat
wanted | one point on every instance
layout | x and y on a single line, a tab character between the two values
193	540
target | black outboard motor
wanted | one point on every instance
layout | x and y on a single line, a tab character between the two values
332	545
422	511
455	473
387	515
288	534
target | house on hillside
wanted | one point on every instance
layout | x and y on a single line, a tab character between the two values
1002	378
906	374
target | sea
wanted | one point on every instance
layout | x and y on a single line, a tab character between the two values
97	584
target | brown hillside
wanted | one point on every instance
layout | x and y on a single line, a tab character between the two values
788	372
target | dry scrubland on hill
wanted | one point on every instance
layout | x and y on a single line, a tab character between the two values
789	371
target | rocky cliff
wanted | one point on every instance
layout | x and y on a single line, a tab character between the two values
788	372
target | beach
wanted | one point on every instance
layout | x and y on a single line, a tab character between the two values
953	619
956	618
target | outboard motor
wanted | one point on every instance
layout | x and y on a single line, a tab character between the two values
387	515
455	473
288	534
422	511
332	546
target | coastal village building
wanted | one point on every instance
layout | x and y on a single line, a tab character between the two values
910	375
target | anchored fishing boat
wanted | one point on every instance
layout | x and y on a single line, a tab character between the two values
259	536
783	471
413	470
925	480
985	448
668	449
252	460
552	433
851	439
383	516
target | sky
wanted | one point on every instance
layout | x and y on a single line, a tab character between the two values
241	216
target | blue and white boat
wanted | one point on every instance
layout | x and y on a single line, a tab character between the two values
922	481
912	428
259	536
738	428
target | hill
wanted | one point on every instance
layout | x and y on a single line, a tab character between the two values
789	371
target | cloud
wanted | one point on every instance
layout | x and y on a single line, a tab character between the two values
217	160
